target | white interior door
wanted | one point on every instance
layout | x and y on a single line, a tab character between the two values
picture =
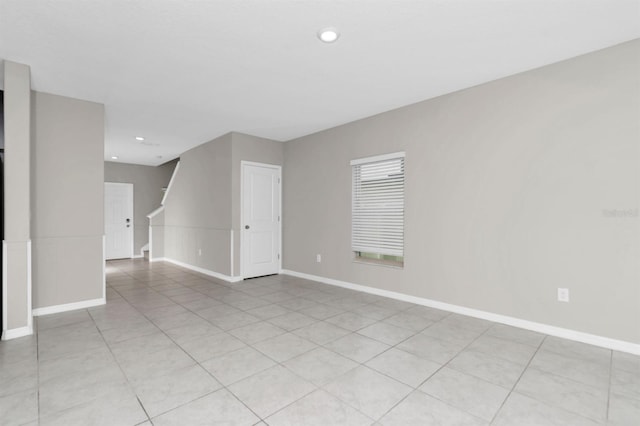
260	228
118	220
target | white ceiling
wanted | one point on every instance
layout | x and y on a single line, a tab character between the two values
181	73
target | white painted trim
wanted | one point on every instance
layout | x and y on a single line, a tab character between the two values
270	166
5	314
137	256
231	244
69	307
201	270
104	266
377	158
173	176
150	242
155	212
591	339
14	333
28	329
29	288
159	259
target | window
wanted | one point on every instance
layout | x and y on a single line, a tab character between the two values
377	212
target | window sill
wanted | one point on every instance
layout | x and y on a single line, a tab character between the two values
376	262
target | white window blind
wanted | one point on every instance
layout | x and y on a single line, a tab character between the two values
378	205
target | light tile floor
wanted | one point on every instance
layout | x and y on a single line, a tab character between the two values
173	347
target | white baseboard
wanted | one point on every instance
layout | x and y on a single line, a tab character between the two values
55	309
591	339
137	256
14	333
201	270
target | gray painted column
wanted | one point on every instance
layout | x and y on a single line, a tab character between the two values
16	280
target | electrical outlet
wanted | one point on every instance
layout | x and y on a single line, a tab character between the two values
199	252
563	294
318	258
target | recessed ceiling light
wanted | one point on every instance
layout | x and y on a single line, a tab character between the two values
114	157
139	138
328	35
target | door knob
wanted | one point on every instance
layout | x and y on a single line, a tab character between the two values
246	227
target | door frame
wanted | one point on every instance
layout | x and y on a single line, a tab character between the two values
244	163
133	229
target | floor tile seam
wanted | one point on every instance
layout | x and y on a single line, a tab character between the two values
609	385
90	400
602	422
37	336
415	333
506	339
321	389
386	375
579	361
324	388
315	388
226	386
417	388
483	420
577	356
392	346
181	405
169	337
281	363
61	325
195	363
503	358
206	319
569	379
634	369
131	386
144	410
515	384
620	394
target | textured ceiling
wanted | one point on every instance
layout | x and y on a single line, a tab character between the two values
181	73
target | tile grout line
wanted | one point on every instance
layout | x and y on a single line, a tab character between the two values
302	295
118	363
38	368
609	386
518	380
316	388
416	389
190	356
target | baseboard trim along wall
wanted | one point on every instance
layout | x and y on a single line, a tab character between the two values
200	270
14	333
55	309
591	339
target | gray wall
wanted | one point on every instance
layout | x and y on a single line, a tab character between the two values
17	165
147	183
202	210
198	208
507	185
248	148
67	219
156	243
